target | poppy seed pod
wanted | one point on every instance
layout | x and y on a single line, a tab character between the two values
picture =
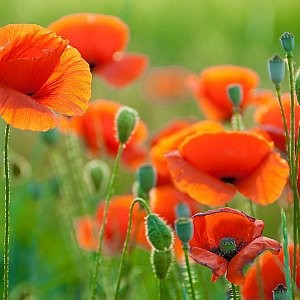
182	211
184	229
146	177
280	293
50	137
126	121
287	42
158	233
276	68
161	262
235	94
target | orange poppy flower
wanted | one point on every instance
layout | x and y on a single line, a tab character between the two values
271	274
226	240
166	84
102	40
270	119
98	130
164	200
40	74
211	167
210	89
170	140
87	228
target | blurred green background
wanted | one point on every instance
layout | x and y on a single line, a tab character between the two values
193	34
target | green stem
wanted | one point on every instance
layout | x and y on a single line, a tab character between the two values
124	251
237	120
7	214
160	289
233	287
188	268
103	224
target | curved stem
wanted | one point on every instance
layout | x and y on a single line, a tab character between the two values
188	268
124	251
7	214
108	197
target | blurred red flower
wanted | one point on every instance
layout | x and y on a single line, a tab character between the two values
212	166
102	40
210	89
271	274
226	240
40	74
97	128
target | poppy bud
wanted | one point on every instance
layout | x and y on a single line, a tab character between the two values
146	177
158	233
161	262
96	173
184	229
235	94
126	121
182	211
276	68
50	137
280	293
297	86
287	42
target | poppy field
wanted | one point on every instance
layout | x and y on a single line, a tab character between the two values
150	150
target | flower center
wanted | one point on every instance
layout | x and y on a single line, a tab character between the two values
92	66
228	179
227	247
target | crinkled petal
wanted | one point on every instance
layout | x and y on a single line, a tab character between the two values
198	185
247	255
216	263
68	89
24	112
123	70
266	183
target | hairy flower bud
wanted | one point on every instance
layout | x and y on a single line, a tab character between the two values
161	262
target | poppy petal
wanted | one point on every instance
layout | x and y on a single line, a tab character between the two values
247	255
216	263
198	185
123	70
67	91
23	112
265	184
85	229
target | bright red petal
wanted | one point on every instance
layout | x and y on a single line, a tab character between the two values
247	255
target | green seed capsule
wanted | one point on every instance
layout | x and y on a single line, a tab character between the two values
161	262
184	229
235	94
276	68
146	177
287	42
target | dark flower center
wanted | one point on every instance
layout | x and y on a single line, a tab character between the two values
92	66
227	248
228	179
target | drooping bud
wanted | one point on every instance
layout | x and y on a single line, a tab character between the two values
158	233
96	175
297	86
280	293
235	94
126	121
146	177
287	42
182	211
161	262
184	229
50	137
276	68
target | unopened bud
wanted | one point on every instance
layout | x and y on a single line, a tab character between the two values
182	211
235	94
126	121
184	229
146	177
161	262
276	68
158	233
287	42
50	137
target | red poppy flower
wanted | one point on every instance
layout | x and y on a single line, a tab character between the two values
210	89
171	140
226	240
164	200
166	84
271	274
97	129
270	119
40	74
87	228
211	167
102	40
